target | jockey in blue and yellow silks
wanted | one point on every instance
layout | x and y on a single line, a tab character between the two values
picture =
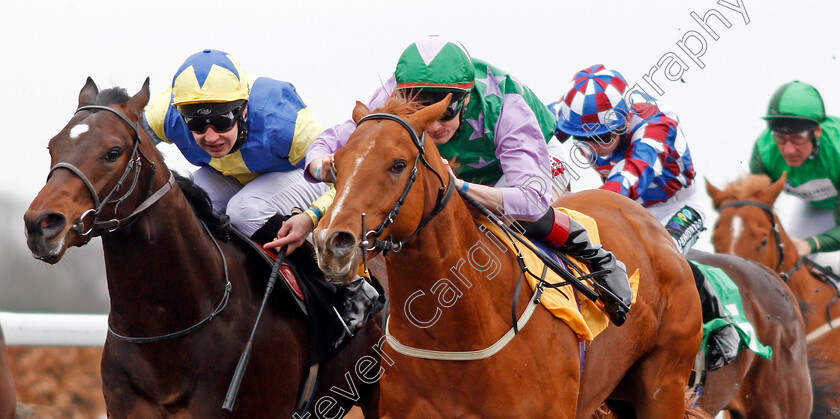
248	135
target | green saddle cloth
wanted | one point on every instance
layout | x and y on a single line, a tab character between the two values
728	293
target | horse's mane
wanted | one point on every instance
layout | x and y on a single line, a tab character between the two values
404	105
400	104
746	186
112	96
202	207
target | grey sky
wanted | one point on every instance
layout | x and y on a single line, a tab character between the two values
336	52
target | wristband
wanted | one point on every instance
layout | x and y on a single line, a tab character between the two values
465	187
318	173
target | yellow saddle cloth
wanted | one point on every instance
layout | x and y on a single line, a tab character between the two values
590	320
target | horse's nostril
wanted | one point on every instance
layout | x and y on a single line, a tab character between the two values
49	224
341	242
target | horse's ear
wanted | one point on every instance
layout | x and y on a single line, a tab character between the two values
139	100
360	111
422	118
88	94
770	194
715	193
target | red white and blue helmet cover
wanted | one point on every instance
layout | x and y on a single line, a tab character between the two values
594	103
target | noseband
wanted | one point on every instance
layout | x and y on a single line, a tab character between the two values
776	234
134	164
444	192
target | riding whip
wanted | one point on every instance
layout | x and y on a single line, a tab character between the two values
239	373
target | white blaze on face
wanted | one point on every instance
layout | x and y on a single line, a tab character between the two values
339	200
737	229
78	130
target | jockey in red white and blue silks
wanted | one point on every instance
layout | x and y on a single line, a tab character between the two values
638	149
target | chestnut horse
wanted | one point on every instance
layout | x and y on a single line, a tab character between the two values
182	302
748	227
750	386
646	362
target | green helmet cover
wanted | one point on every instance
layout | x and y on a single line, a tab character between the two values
435	64
796	100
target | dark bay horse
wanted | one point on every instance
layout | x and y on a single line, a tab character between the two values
750	386
195	297
439	302
748	227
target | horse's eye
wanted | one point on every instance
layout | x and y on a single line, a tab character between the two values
763	244
113	154
398	167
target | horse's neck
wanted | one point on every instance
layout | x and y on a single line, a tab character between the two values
808	288
453	283
164	263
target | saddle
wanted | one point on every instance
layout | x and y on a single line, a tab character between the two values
586	318
304	283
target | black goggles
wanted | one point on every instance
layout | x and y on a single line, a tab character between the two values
455	104
600	138
221	122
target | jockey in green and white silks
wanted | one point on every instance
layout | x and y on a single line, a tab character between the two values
804	142
247	134
502	138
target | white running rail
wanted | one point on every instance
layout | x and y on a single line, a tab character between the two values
41	329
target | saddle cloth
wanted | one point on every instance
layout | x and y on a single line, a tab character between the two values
727	291
585	317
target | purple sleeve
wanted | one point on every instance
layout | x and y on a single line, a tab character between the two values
523	154
335	137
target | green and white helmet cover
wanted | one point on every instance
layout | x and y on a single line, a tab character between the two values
796	100
435	64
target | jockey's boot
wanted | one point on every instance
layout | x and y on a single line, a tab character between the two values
571	238
724	342
357	302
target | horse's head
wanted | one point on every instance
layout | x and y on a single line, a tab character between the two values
375	176
100	171
747	226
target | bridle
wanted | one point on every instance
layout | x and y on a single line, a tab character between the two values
97	227
776	234
134	164
444	192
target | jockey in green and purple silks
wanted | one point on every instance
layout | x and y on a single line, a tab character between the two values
502	137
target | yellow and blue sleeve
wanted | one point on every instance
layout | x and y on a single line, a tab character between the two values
307	129
154	116
318	208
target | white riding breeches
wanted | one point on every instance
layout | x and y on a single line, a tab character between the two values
251	205
683	216
800	219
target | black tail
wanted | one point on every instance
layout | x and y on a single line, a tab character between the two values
825	381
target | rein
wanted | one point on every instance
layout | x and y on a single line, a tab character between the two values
134	164
444	192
